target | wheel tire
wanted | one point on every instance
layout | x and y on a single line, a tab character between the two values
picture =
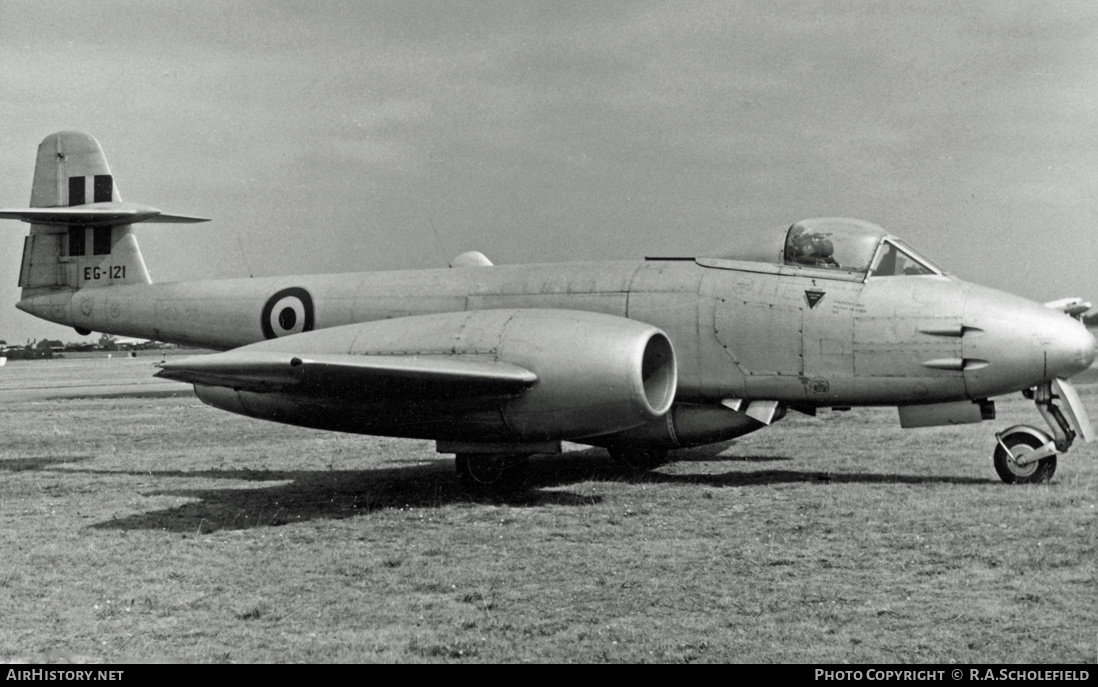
1021	443
488	472
640	459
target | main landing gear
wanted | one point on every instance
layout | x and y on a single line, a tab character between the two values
486	470
1027	455
490	471
640	459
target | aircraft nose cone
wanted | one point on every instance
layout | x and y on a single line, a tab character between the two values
1071	348
1013	343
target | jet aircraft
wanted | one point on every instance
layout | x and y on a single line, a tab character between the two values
496	363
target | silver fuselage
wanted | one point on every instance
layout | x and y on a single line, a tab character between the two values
802	336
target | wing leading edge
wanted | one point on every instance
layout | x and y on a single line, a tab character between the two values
386	377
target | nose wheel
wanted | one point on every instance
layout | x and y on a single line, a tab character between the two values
1018	457
1026	455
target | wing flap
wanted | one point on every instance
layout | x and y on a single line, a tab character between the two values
385	377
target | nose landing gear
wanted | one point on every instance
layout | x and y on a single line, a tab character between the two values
1027	455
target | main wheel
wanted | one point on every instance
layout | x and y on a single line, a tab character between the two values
489	471
1011	472
640	458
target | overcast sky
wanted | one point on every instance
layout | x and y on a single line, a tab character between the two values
351	136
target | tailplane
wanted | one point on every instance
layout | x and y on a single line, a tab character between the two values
81	234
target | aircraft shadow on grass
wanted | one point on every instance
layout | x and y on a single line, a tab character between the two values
28	464
337	494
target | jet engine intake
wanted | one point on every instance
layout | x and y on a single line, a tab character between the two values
595	374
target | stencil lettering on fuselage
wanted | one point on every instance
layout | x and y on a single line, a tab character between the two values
290	311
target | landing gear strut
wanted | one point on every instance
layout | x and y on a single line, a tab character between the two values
1026	455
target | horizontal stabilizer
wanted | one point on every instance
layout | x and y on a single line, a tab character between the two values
1069	306
98	214
386	377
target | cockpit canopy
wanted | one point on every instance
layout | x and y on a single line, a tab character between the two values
844	245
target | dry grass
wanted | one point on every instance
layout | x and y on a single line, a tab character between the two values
159	529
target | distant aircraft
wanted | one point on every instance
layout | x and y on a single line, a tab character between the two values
496	363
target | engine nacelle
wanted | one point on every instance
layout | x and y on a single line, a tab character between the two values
596	374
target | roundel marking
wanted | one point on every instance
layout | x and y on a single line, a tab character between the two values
290	311
287	318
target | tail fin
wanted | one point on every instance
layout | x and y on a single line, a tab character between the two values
67	161
81	234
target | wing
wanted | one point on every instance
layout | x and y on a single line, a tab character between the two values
386	377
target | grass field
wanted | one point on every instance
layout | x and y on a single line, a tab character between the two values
156	528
